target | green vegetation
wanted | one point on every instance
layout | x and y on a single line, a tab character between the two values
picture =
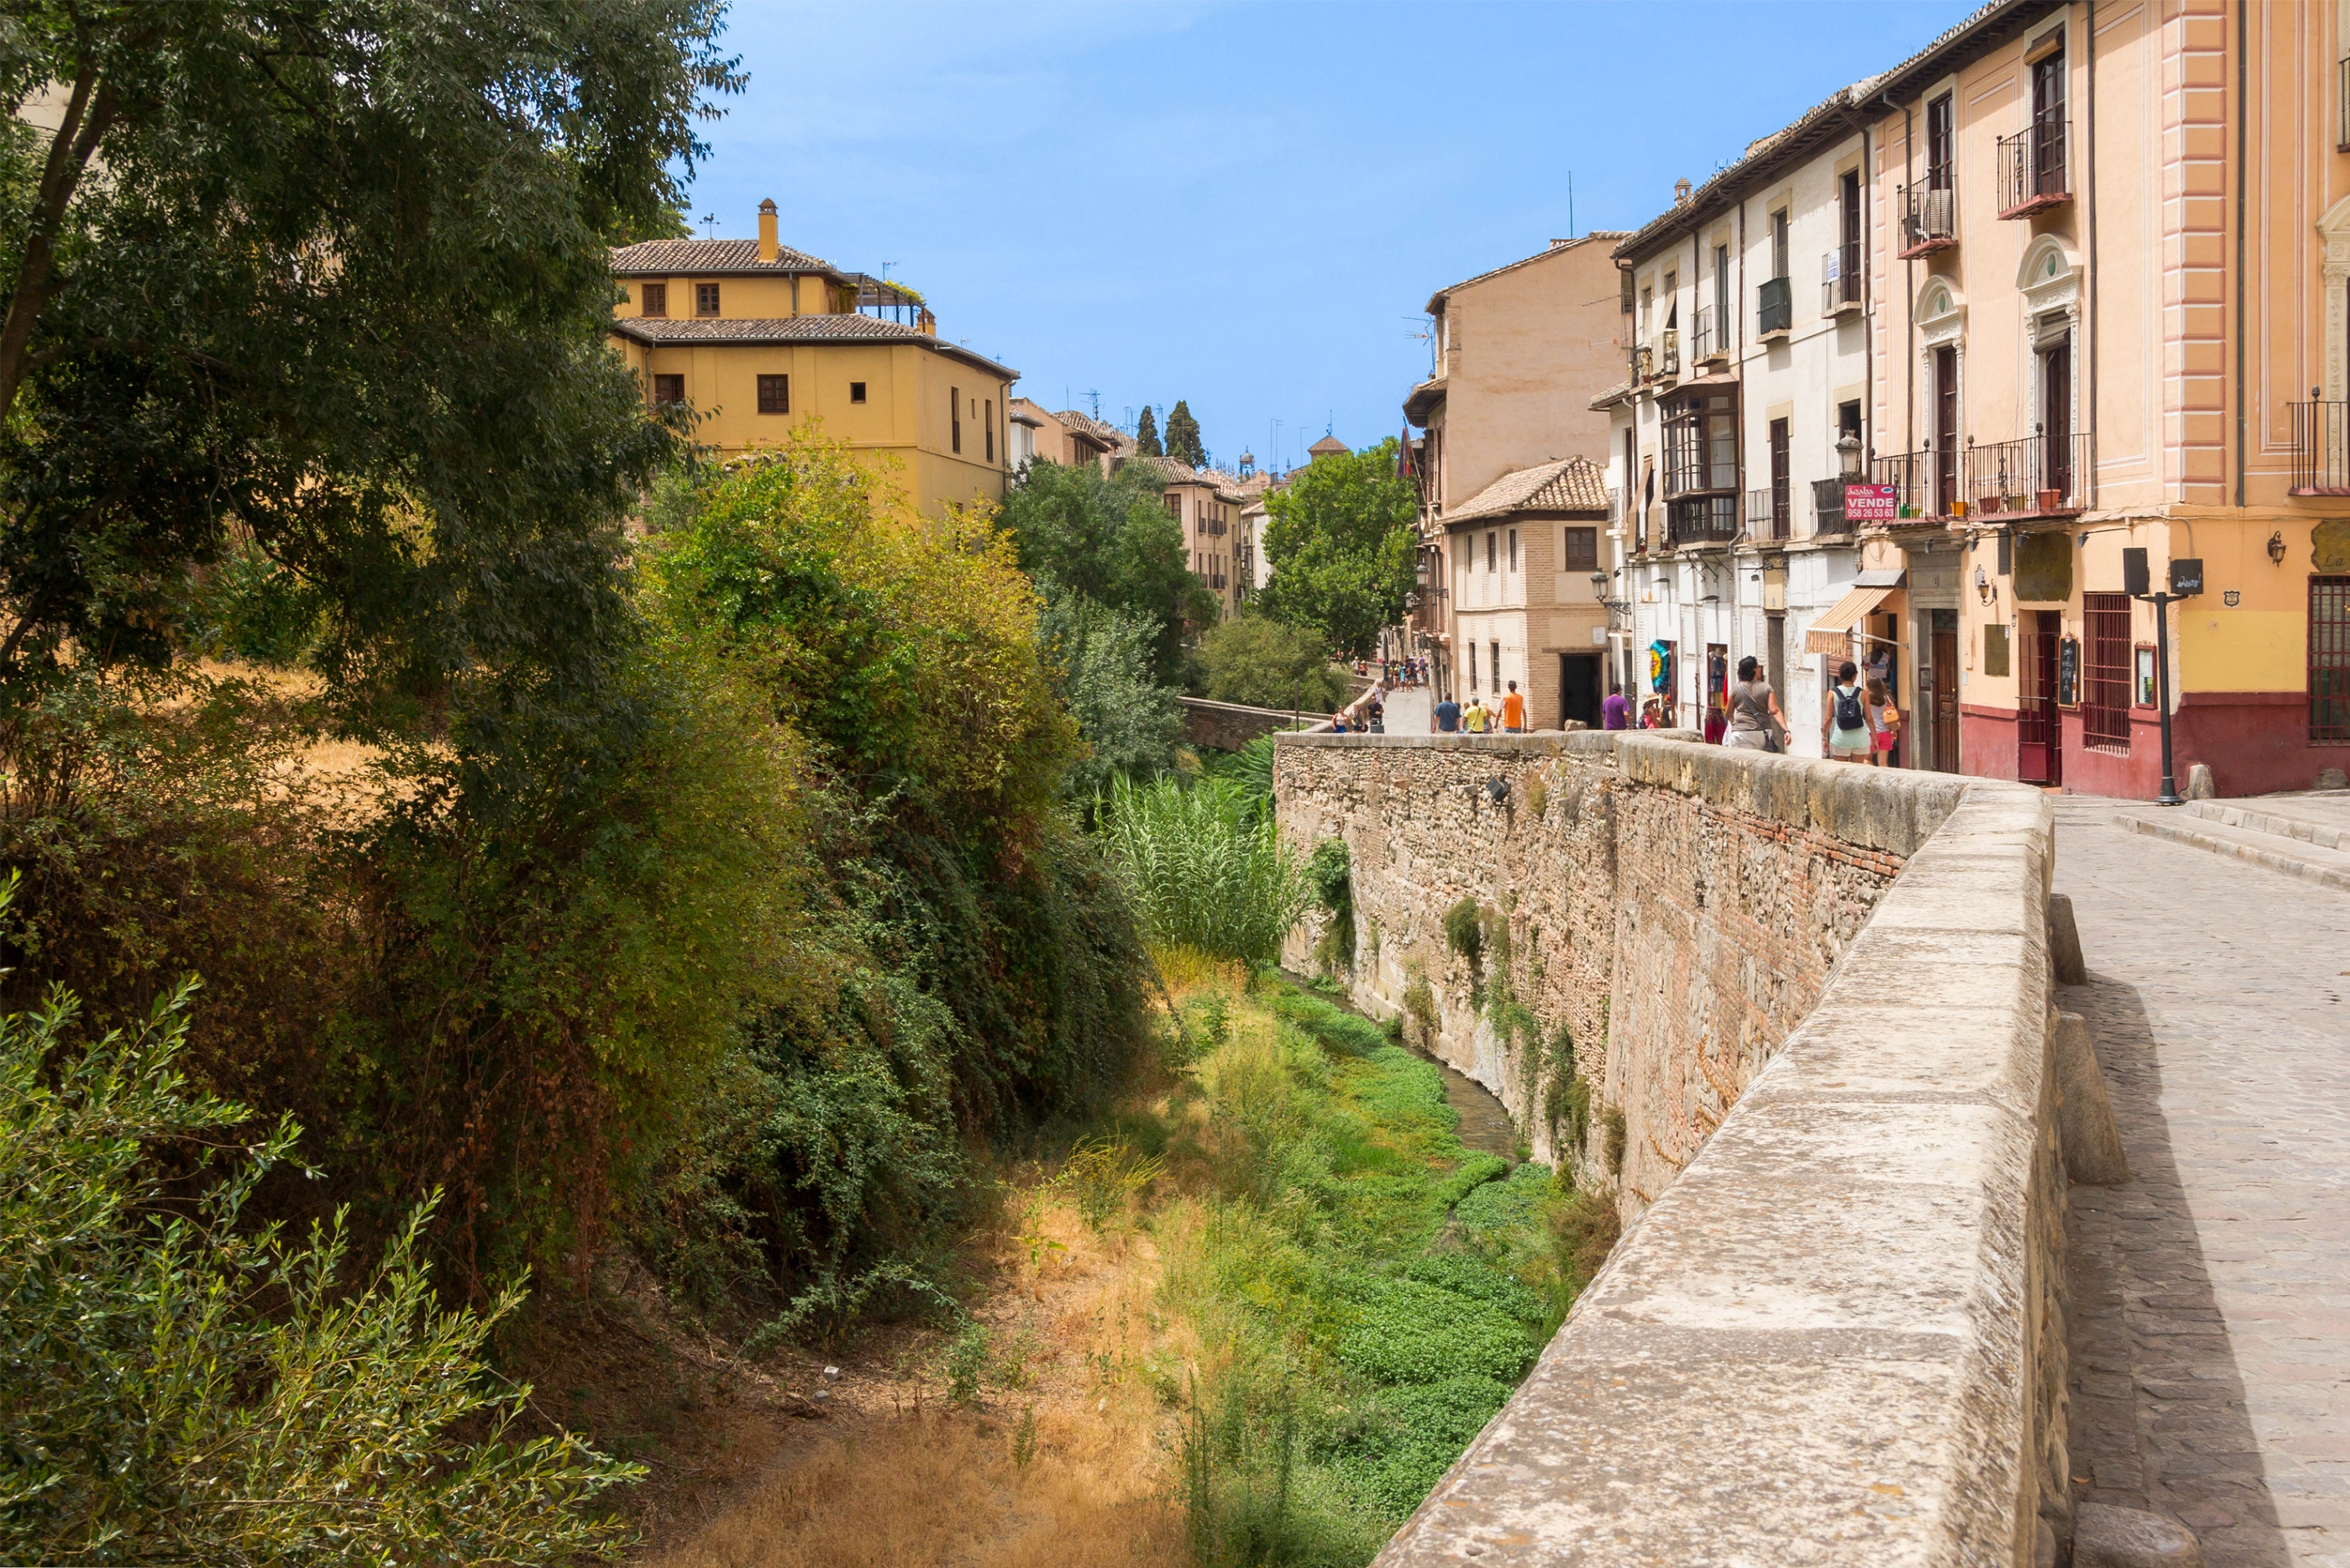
1268	664
184	1387
1146	434
1366	1291
1101	660
1183	442
1331	872
1206	866
1343	548
1111	543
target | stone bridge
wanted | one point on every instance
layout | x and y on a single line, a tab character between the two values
1797	1017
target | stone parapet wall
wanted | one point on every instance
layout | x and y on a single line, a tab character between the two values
1229	726
1834	1332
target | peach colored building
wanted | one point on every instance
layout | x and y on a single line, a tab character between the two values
2110	246
1519	352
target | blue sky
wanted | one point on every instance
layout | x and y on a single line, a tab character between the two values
1245	206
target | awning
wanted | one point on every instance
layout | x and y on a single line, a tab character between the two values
1832	633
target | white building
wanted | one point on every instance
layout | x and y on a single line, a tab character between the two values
1744	412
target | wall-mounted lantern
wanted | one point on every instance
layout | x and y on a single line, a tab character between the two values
2276	547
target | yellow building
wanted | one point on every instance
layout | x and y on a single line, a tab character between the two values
760	338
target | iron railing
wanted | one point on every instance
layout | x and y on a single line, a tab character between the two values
1840	280
1702	346
1913	476
1758	515
2037	475
2033	171
1930	221
2321	447
1702	520
1827	507
1775	305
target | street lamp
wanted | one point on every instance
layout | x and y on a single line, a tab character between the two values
1848	457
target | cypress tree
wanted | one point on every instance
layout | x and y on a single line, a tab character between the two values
1146	435
1183	435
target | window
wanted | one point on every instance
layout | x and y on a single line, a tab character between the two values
1720	298
2329	659
1473	667
988	424
1779	242
669	389
1939	172
1492	553
1513	549
1497	665
856	391
656	298
1848	419
706	299
775	394
954	417
2106	696
1648	309
1582	551
1174	504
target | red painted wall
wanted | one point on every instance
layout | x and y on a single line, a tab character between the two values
2253	742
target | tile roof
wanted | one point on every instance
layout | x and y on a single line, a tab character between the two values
662	331
1572	485
1093	430
1177	471
668	258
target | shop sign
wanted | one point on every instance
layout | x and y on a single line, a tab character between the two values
1871	503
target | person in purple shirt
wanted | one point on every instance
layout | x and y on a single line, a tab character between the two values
1615	712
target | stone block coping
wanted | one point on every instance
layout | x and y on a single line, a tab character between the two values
1829	1341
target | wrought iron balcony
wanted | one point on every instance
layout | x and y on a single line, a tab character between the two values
1930	221
1768	515
1775	307
1827	507
1923	482
1702	343
1840	280
2041	476
2321	447
2034	175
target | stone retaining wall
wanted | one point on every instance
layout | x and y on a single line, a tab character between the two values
1229	726
1818	995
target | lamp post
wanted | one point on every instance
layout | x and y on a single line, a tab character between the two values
2186	582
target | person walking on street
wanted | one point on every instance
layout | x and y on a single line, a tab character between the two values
1375	714
1615	712
1444	718
1885	723
1756	725
1513	711
1845	728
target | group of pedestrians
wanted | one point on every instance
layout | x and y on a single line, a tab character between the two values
1507	715
1397	673
1861	722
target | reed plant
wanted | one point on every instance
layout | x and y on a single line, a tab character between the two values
1207	867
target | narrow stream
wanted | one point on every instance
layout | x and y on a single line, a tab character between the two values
1485	1125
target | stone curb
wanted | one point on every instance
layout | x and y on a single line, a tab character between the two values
2268	823
2276	860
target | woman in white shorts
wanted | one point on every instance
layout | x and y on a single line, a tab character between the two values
1845	727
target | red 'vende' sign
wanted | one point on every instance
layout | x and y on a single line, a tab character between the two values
1870	503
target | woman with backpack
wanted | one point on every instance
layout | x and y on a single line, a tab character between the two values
1845	727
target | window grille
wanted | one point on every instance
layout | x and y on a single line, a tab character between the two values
2329	659
2105	696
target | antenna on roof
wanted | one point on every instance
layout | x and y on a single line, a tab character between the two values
1097	398
885	270
709	225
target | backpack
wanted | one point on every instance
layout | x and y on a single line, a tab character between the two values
1849	715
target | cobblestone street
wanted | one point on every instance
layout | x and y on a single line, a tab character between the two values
2210	1317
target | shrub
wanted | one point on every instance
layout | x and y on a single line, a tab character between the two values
1101	660
1268	664
1207	870
1330	870
1397	1444
1406	1332
182	1388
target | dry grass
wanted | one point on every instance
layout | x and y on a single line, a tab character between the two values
901	1475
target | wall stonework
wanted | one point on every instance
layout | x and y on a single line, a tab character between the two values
1834	1332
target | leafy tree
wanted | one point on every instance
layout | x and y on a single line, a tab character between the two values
1146	435
1342	544
332	275
182	1386
1111	541
1266	663
1183	436
1102	664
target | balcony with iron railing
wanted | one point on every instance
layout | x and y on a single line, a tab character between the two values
1769	515
2034	174
1930	221
1701	520
1922	481
2321	446
1702	346
1840	280
2041	476
1827	507
1775	307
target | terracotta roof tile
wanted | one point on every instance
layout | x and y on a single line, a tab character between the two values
663	331
668	258
1573	484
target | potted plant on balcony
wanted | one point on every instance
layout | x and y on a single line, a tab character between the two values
2050	499
1989	504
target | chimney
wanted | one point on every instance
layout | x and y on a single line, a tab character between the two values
769	249
1680	194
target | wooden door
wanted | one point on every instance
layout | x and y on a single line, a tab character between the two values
1946	430
2057	428
1578	689
2039	750
1945	695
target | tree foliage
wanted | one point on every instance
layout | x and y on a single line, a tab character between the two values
1342	544
331	276
1146	435
1183	436
1113	541
1101	661
1266	663
182	1386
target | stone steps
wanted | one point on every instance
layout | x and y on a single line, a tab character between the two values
2260	817
2249	836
